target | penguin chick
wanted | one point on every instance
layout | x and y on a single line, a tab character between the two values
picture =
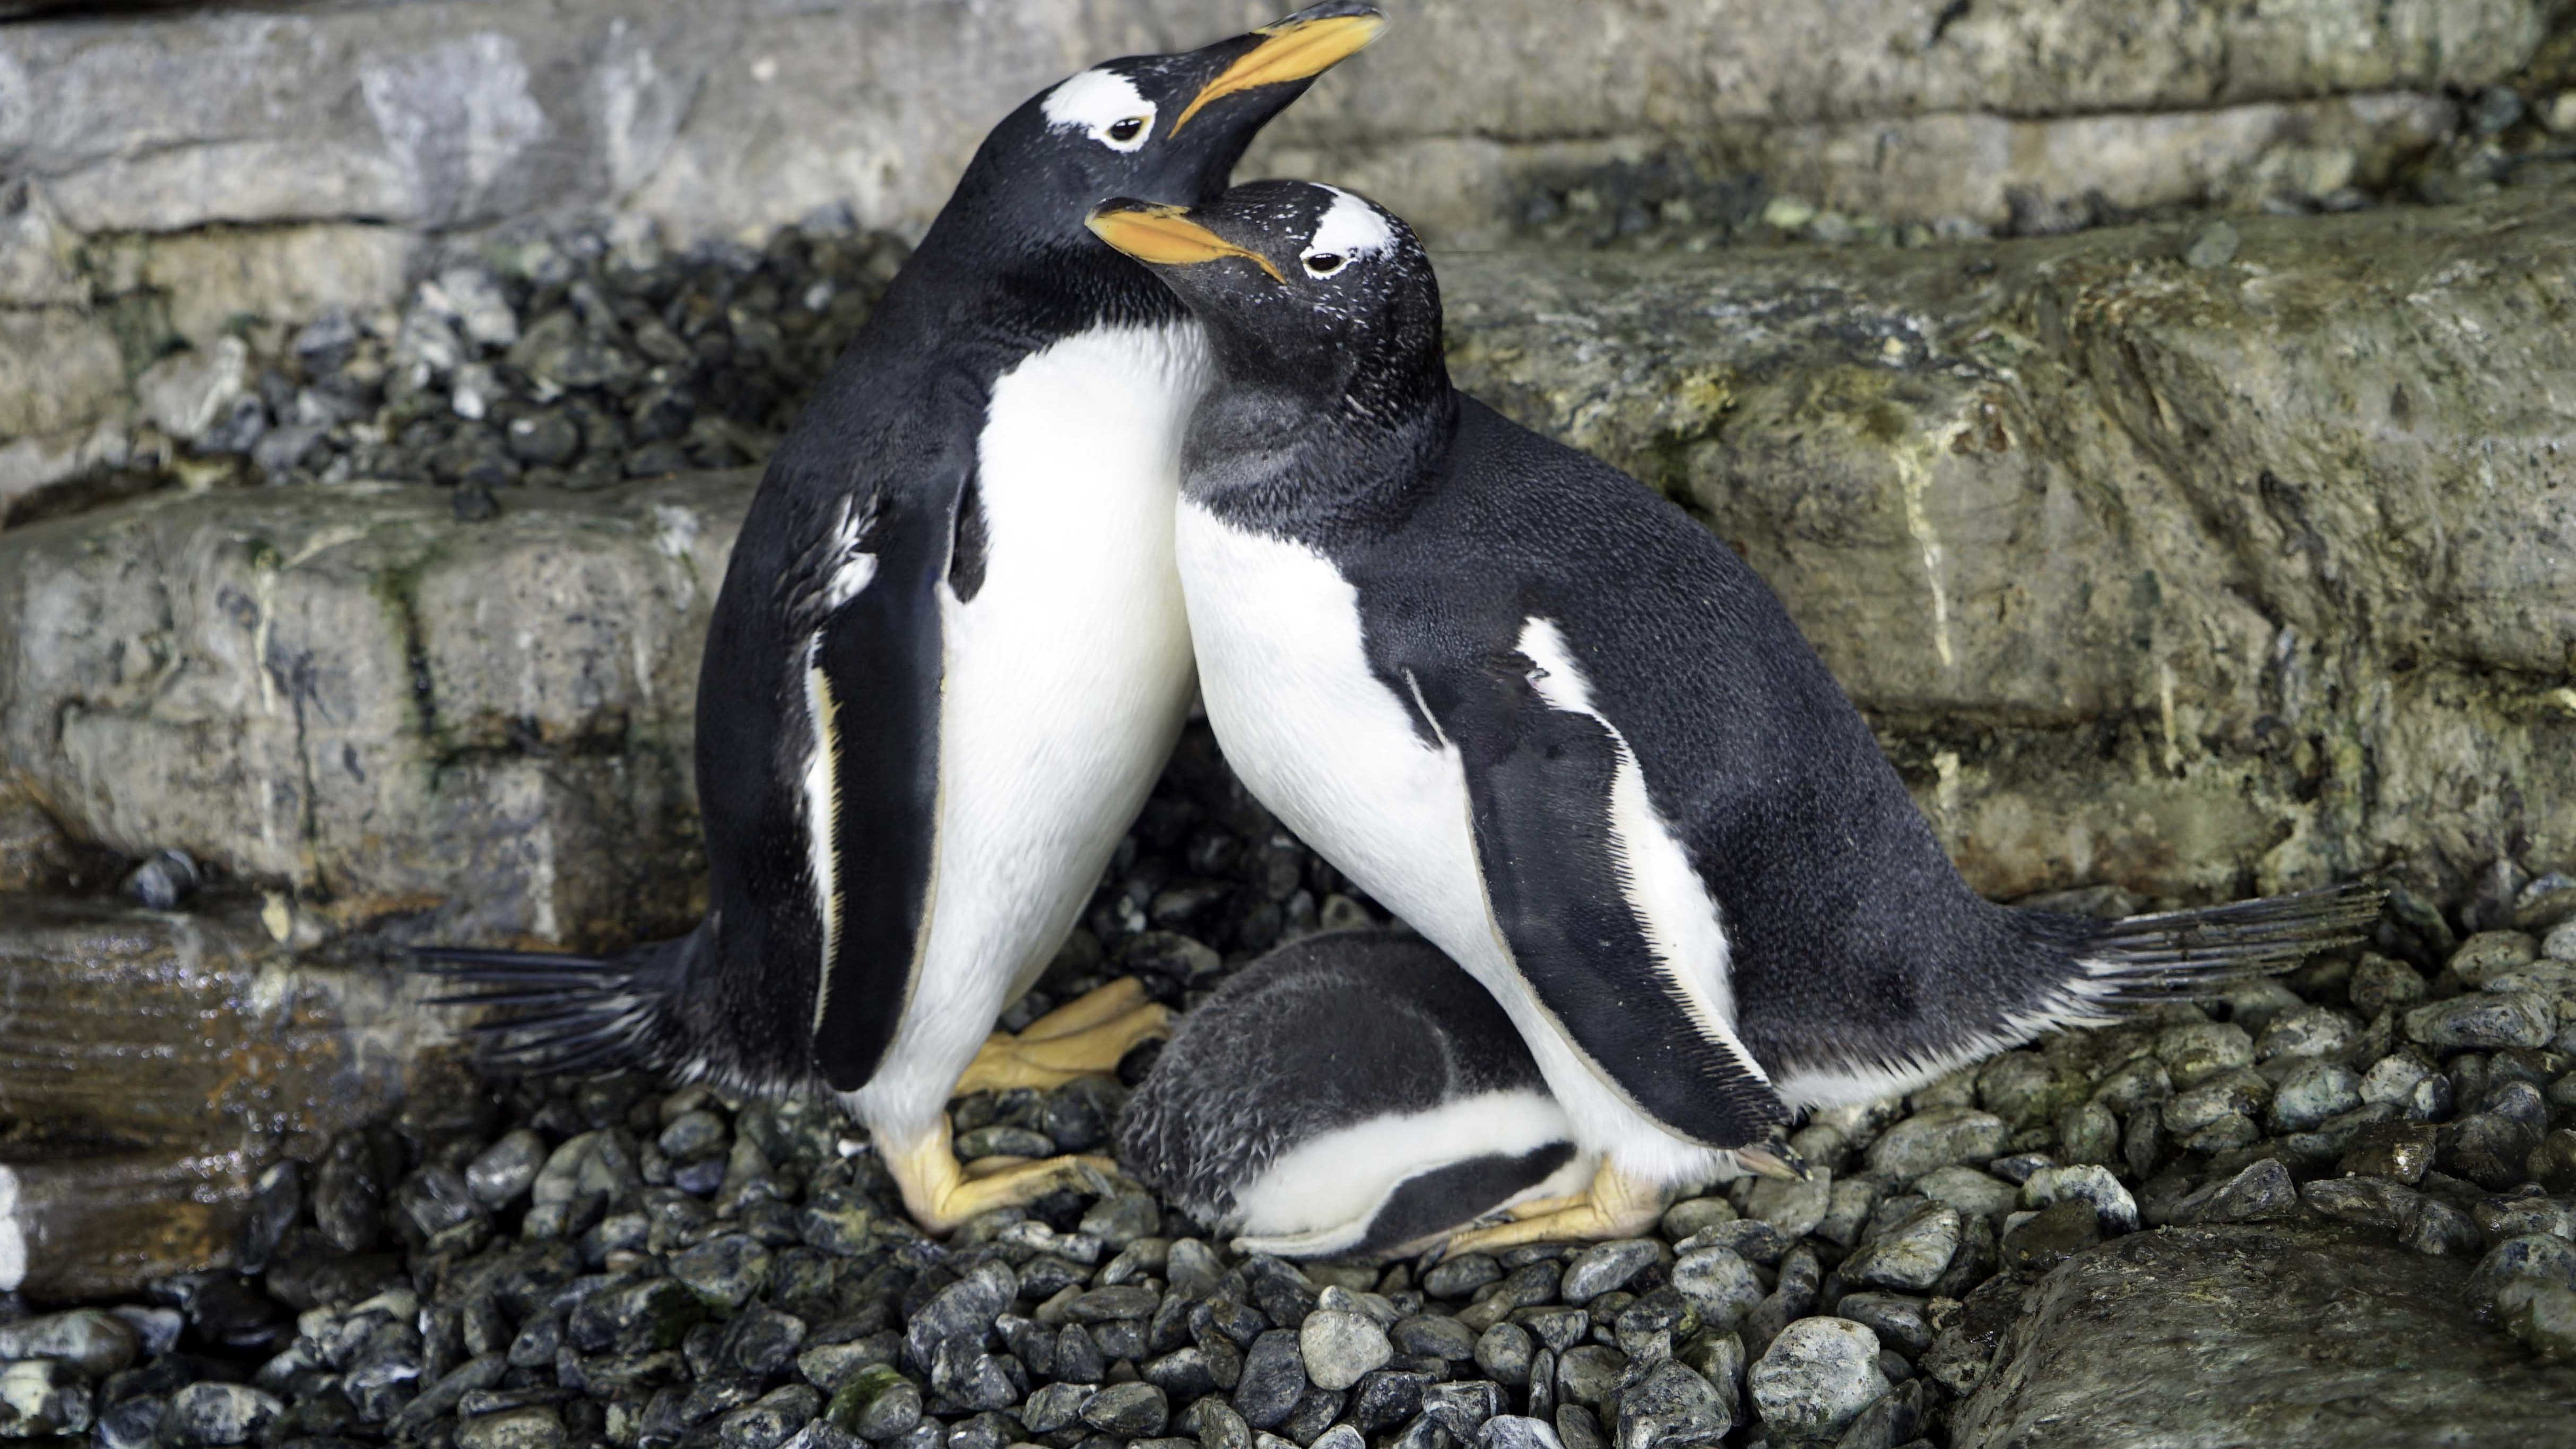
1351	1094
1563	731
949	654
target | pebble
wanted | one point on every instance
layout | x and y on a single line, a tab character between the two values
2314	1091
2439	1230
2492	953
1941	1137
1975	1194
534	1427
2113	1208
1339	1347
1670	1405
91	1342
2193	1051
2262	1190
2036	1242
1128	1410
2514	1269
1274	1379
1718	1284
1816	1377
2484	1021
1910	1253
213	1413
1604	1267
41	1397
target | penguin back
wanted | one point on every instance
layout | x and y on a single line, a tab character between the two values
1352	1092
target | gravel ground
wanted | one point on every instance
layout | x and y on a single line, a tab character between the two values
571	1263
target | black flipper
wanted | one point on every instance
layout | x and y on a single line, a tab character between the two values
1539	781
880	654
568	1013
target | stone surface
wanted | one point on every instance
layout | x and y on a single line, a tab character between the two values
708	118
330	690
2289	1335
1890	436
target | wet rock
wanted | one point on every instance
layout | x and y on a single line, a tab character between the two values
2313	1092
877	1403
1911	1253
2483	1022
501	1172
1274	1379
2286	1325
2379	1202
90	1342
533	1427
2114	1209
1941	1137
1670	1405
1816	1378
1606	1266
1718	1285
1588	1373
639	1318
2262	1190
2050	1236
2438	1230
1337	1348
214	1413
1128	1410
40	1398
2193	1052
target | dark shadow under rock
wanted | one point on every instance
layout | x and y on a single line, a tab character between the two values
2261	1334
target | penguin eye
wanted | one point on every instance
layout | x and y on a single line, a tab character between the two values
1128	129
1324	264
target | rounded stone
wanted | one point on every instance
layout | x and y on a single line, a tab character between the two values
1604	1267
534	1427
1816	1377
1339	1347
2314	1091
220	1414
1128	1411
1718	1284
1940	1137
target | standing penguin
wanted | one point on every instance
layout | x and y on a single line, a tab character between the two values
1568	735
949	655
1350	1094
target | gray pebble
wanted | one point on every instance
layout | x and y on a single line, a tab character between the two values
2313	1092
1504	1352
1901	1323
1604	1267
1587	1373
1816	1377
2439	1230
533	1427
1434	1336
1339	1347
1670	1405
1511	1431
1274	1379
41	1397
1911	1253
2484	1021
220	1414
2113	1207
1693	1215
1940	1137
2261	1191
1129	1411
2516	1268
91	1342
2215	246
1718	1284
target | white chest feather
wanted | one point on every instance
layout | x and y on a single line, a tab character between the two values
1066	680
1330	748
1319	738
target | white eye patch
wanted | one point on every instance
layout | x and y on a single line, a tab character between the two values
1350	229
1105	104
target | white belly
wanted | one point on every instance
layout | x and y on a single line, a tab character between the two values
1332	751
1067	679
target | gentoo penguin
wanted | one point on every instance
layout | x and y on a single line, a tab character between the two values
1351	1094
1569	736
949	654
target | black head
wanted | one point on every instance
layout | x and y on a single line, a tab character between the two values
1168	128
1308	293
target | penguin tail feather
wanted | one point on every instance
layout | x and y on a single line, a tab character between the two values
551	1012
2141	960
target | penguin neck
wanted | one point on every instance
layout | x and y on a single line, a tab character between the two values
976	279
1265	458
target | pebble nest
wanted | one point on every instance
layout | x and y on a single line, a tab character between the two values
608	1261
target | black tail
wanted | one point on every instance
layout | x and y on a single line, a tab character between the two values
565	1013
2145	959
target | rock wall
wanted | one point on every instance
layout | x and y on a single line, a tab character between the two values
2193	576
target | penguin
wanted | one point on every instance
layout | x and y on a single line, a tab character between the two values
1350	1094
949	654
1559	728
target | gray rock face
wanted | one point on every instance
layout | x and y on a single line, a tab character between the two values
2097	392
350	692
709	118
2285	1333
